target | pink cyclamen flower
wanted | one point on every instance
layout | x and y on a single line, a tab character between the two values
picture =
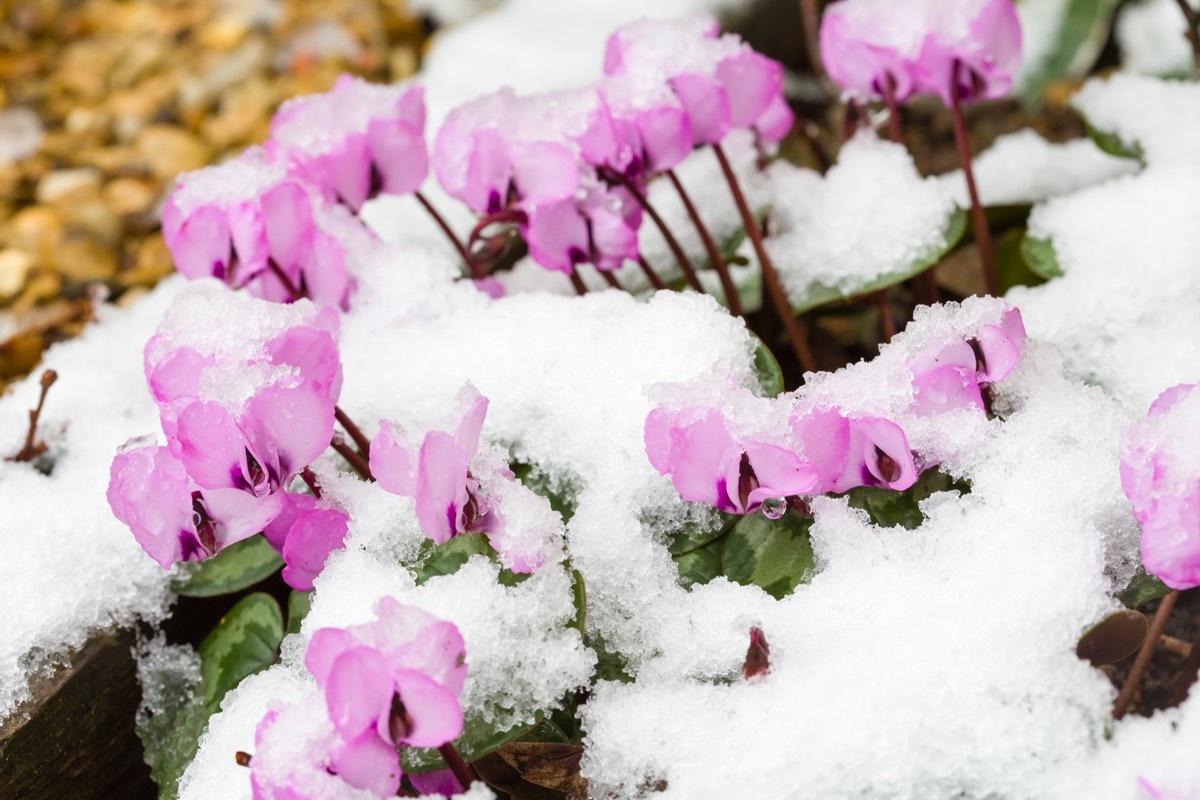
304	532
849	452
388	684
1160	473
454	485
721	83
173	518
709	465
915	46
247	222
954	375
356	140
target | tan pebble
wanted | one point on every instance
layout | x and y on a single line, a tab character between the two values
14	269
153	263
84	260
62	182
41	287
402	62
225	33
116	160
87	121
129	195
36	229
131	296
169	151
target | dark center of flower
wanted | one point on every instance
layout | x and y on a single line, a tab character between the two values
980	360
257	474
747	481
206	529
400	724
888	468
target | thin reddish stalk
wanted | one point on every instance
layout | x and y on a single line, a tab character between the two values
651	275
32	449
356	462
1193	29
461	769
310	479
689	272
889	96
1187	675
714	252
577	282
288	286
983	237
1142	662
476	272
770	276
360	441
610	279
886	320
810	17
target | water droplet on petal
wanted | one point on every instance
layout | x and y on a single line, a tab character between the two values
773	507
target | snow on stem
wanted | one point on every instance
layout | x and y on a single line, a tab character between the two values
33	448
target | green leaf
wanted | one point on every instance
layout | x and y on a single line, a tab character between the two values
1041	257
579	600
1080	38
235	568
818	294
1113	144
1116	637
610	665
766	368
695	535
774	554
446	559
1142	589
245	641
299	604
171	747
1011	269
700	565
889	508
477	740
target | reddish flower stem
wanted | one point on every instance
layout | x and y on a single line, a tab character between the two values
887	321
461	769
810	16
714	253
356	462
360	441
770	276
474	269
651	275
32	448
1193	29
983	237
1187	675
282	277
610	279
685	264
310	479
1142	662
889	96
577	282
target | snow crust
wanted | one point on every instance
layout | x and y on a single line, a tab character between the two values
872	214
1150	34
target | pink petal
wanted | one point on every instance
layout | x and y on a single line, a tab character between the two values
947	388
776	122
700	447
434	710
366	762
393	460
544	172
288	223
324	648
177	375
666	137
441	782
657	436
397	149
358	691
707	106
200	242
293	505
294	423
211	446
781	472
313	536
349	170
825	436
148	491
249	240
312	351
751	82
557	235
239	515
441	490
471	407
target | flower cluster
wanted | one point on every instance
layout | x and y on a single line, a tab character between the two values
742	467
966	50
240	424
1160	473
453	483
384	686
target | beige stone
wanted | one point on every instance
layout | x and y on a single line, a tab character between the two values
129	195
63	182
168	150
14	270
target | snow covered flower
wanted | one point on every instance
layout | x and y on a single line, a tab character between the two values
454	483
915	46
248	223
1160	473
387	684
304	532
719	81
356	140
955	374
854	451
171	516
709	465
599	226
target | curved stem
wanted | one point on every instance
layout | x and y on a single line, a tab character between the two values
651	275
461	769
983	237
282	277
1142	663
476	272
356	462
32	448
610	279
810	16
770	276
311	480
684	263
360	441
887	320
889	95
577	282
714	253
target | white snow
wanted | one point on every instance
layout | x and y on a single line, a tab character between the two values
1150	34
871	215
